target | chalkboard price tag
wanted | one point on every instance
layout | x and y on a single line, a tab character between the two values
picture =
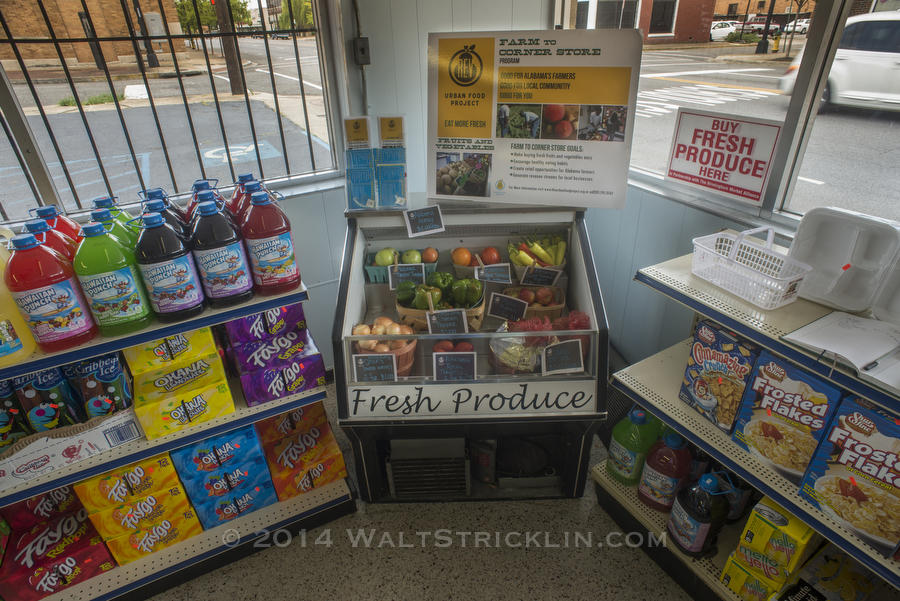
424	221
448	321
540	276
406	272
507	307
375	368
498	272
562	358
454	366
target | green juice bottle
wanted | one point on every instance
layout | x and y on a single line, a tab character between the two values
631	439
108	274
125	235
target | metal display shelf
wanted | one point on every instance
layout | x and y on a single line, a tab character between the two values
674	279
707	570
216	546
101	345
142	448
654	384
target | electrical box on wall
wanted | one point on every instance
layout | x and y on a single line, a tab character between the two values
361	51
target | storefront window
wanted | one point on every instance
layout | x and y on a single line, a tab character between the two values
662	16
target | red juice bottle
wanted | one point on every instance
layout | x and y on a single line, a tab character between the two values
666	469
199	186
242	203
242	179
160	194
51	238
267	233
45	288
59	222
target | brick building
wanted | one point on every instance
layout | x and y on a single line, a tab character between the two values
666	21
736	9
69	21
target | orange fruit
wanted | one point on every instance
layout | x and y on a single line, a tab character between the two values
430	255
461	256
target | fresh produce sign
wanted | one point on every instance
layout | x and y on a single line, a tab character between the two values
534	117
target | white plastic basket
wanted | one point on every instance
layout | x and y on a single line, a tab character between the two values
749	268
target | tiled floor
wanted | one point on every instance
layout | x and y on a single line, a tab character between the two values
345	567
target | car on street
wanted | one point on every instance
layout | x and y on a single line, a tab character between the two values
866	68
280	36
721	30
758	24
797	26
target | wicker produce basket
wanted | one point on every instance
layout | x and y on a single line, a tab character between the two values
406	356
551	312
416	319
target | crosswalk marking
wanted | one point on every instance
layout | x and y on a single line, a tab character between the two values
661	101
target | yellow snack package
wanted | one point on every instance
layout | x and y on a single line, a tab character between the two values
141	513
773	539
185	409
162	353
748	584
192	373
127	483
166	533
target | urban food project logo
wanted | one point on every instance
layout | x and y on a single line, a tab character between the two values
465	66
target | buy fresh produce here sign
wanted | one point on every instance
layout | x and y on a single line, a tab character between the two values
540	117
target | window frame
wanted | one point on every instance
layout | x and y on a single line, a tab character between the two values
671	32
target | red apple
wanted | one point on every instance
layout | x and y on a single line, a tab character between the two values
527	295
544	296
464	347
553	113
444	346
563	130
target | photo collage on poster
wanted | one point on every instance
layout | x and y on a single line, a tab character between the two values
596	123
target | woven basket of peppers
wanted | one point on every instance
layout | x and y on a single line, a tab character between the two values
444	292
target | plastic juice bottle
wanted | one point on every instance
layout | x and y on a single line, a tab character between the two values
16	341
44	286
697	516
267	233
737	492
126	235
159	206
699	463
160	194
167	269
51	238
632	437
665	472
120	215
199	186
242	179
109	278
242	203
59	222
209	196
220	256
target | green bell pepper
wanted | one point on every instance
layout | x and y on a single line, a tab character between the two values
406	292
442	280
467	292
421	299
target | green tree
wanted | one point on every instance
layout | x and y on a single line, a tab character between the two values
303	14
188	17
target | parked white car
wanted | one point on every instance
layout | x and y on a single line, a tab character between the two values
866	68
721	29
801	25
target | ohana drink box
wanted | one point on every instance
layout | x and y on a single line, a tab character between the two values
855	473
141	513
717	372
774	542
161	535
224	452
190	370
784	414
127	483
301	373
222	509
162	414
160	354
41	508
263	326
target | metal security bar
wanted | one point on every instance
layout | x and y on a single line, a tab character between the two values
159	93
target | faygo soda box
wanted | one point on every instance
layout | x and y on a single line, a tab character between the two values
164	534
41	508
141	513
307	457
127	483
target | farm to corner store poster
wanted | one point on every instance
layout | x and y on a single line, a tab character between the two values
536	117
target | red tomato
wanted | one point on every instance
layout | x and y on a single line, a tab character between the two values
464	347
444	346
490	256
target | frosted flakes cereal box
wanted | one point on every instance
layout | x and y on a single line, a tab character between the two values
126	483
854	475
784	413
716	373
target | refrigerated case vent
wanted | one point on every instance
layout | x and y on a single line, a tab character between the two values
426	469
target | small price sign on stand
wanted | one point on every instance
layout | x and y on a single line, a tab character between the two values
540	276
424	221
562	358
375	368
448	321
498	272
406	272
507	307
454	366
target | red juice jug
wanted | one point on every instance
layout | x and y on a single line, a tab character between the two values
199	186
242	179
242	202
666	469
267	233
160	194
59	222
51	238
45	288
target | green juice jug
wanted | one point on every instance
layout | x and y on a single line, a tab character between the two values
631	439
108	274
127	236
120	215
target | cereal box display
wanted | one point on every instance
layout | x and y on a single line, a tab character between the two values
748	584
831	575
855	472
784	414
774	542
126	483
717	373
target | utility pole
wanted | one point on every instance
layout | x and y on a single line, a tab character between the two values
763	46
229	50
152	61
744	22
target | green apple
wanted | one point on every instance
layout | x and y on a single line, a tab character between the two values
385	256
411	256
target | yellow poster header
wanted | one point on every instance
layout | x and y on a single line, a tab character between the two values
564	85
465	87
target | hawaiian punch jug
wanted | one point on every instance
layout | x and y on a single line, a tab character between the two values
199	186
632	437
109	278
160	194
267	233
120	215
126	235
221	260
16	341
239	191
171	217
44	287
51	238
666	470
167	269
697	516
242	202
58	221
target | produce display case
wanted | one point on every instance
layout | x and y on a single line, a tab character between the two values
512	431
